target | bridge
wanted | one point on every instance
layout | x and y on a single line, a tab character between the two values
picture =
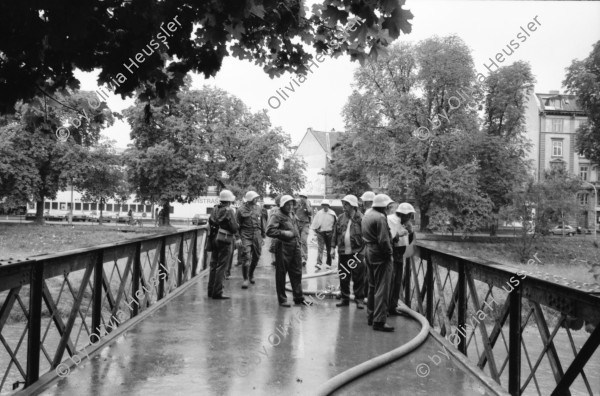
133	318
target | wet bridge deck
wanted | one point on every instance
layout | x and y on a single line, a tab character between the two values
198	346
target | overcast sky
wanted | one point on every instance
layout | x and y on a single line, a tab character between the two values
567	31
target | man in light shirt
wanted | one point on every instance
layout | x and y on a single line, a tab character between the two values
323	225
347	237
402	233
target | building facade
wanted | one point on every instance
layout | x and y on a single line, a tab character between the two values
552	120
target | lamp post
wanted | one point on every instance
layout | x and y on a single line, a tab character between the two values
595	201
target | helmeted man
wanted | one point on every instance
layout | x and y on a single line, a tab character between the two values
378	251
367	200
323	225
401	230
304	215
283	226
252	232
223	219
274	242
347	237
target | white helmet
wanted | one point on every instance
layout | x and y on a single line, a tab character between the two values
250	195
368	196
226	196
351	199
285	199
381	201
405	208
326	202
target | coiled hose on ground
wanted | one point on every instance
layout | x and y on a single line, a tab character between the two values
353	373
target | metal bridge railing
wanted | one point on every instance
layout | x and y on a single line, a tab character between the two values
530	334
52	306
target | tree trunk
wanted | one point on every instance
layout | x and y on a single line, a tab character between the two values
39	212
424	219
166	214
101	208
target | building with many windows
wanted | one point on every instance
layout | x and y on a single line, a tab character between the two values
551	121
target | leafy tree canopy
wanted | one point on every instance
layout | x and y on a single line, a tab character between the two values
583	80
187	35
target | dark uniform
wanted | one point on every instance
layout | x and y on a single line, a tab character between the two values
252	232
223	243
351	265
378	251
304	215
284	228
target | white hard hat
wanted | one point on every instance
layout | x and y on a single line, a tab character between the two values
351	199
368	196
250	195
285	199
381	201
325	202
226	196
405	208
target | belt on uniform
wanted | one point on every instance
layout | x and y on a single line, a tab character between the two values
225	233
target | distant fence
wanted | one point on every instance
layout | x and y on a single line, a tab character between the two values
53	306
518	328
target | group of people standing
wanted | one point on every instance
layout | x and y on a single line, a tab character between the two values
370	236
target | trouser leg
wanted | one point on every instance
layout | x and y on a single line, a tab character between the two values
371	295
396	283
255	254
224	252
294	270
358	275
246	253
213	271
327	238
280	272
345	274
321	244
382	274
304	241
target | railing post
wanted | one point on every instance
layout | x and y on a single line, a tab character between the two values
407	286
161	268
195	254
135	280
429	283
514	342
36	279
180	262
97	295
462	306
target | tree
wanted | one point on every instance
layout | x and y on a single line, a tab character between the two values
411	89
205	137
560	189
102	177
348	172
583	80
187	35
37	164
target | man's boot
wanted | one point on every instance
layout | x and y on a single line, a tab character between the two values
245	273
382	326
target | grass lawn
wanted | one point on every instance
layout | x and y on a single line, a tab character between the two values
19	241
563	257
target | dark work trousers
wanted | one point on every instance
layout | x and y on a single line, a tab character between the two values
352	268
288	261
396	284
324	241
251	249
380	274
304	228
218	265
